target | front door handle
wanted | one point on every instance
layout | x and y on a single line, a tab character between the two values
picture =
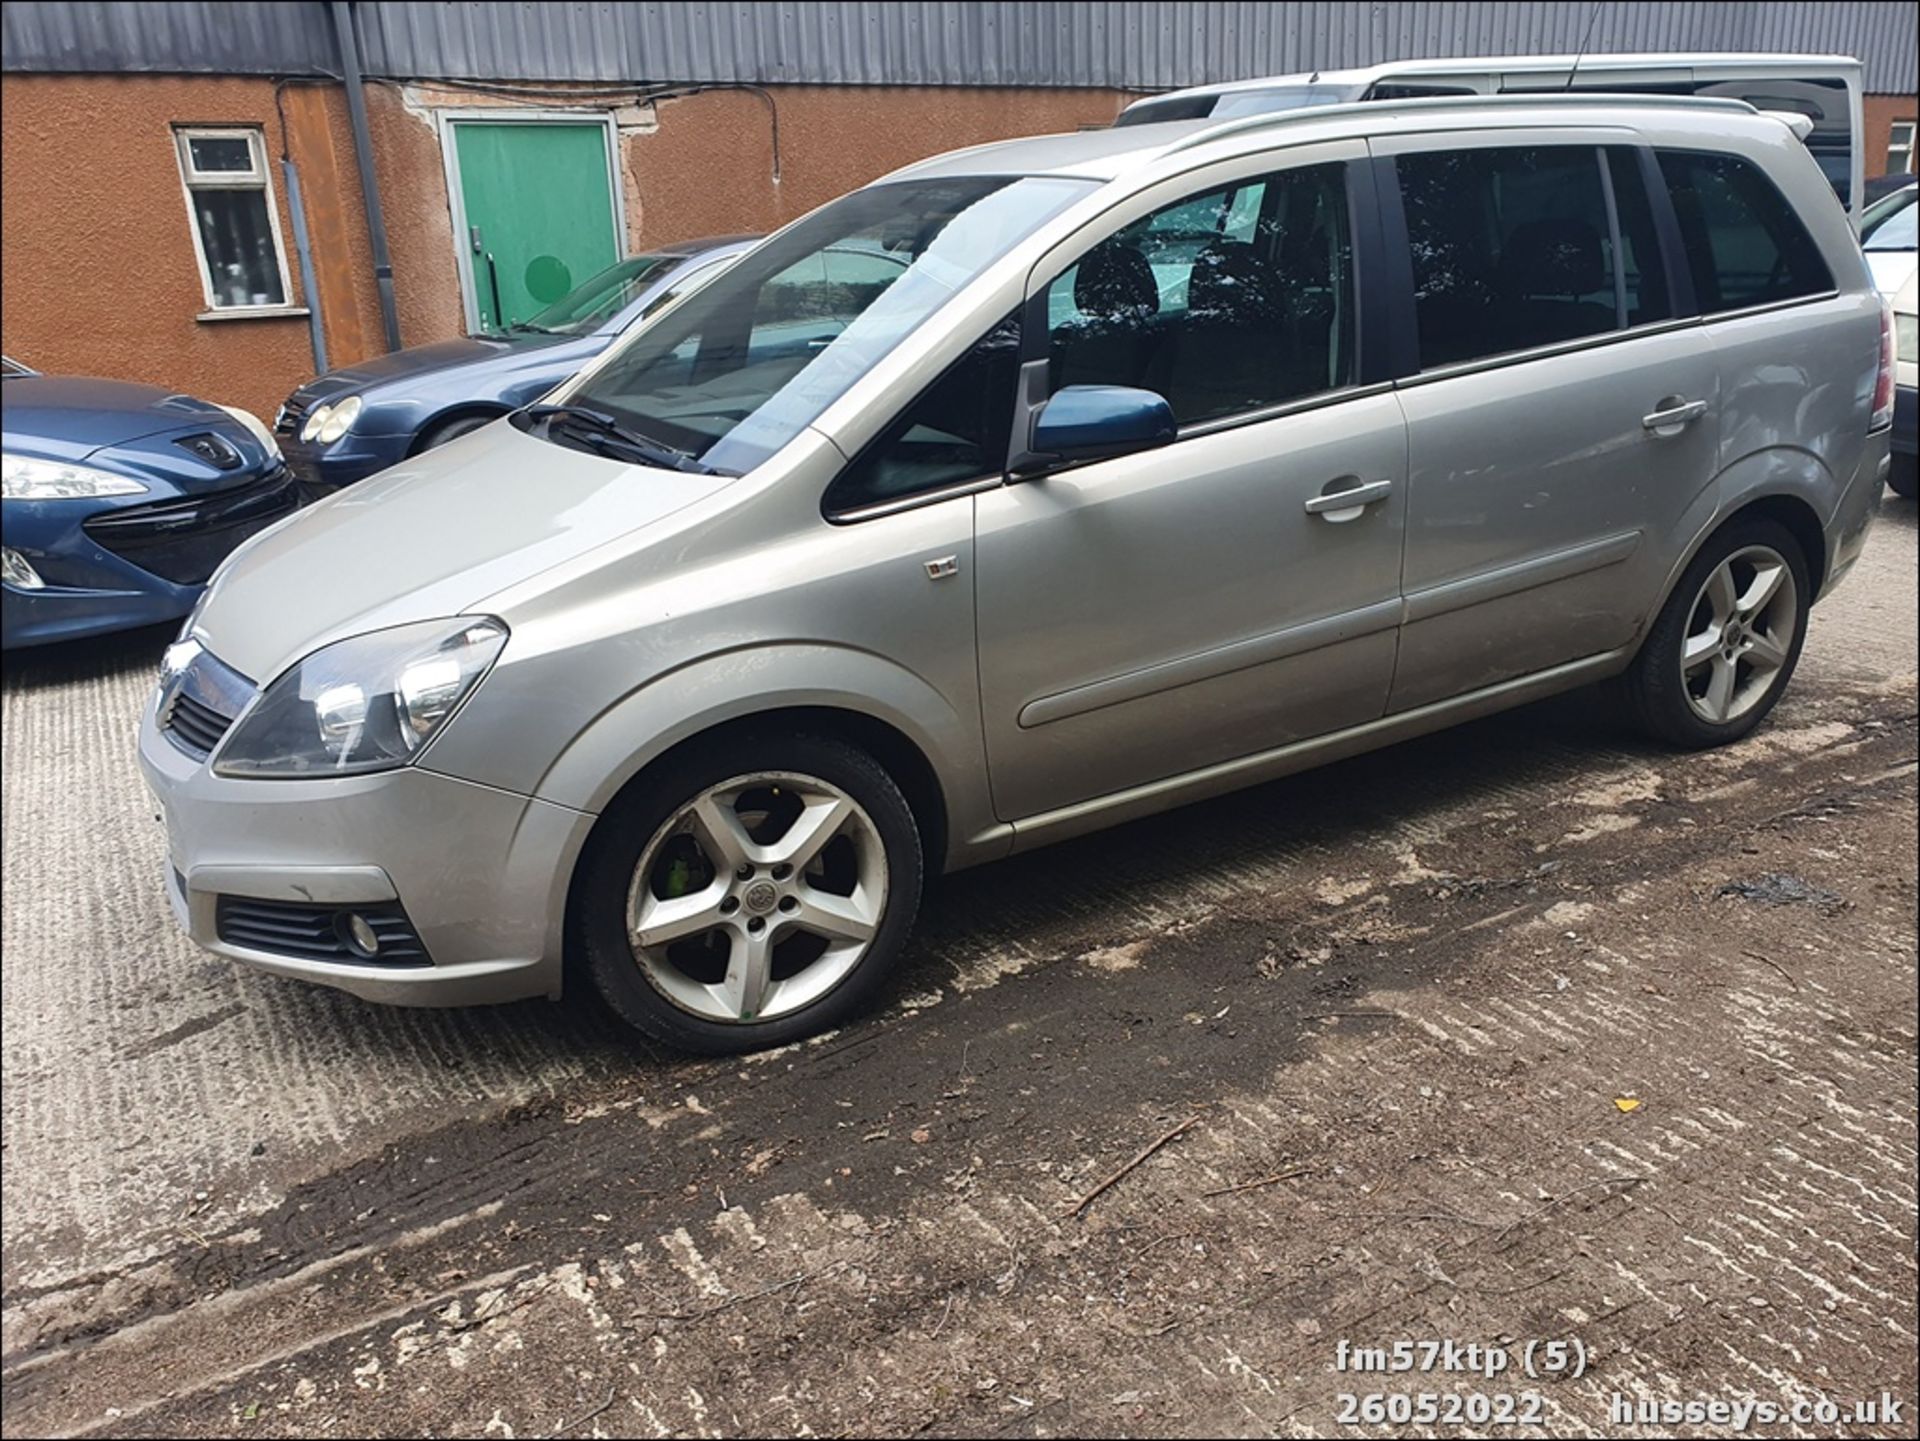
1348	502
1674	413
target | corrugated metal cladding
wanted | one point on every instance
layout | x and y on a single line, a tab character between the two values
1130	44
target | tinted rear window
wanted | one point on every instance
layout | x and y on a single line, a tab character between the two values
1511	249
1744	244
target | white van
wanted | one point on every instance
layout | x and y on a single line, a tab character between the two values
1824	88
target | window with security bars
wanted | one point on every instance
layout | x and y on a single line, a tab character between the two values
235	231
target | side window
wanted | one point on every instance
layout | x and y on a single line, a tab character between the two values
1510	249
956	430
1744	244
1230	301
1642	275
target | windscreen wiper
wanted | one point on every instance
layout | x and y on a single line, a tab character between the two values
610	437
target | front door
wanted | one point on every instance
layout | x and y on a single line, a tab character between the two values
1147	616
534	213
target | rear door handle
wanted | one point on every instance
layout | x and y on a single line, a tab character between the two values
1344	505
1674	413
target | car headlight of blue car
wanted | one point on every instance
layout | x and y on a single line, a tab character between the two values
25	477
328	423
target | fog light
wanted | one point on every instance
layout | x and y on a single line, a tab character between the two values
17	572
359	934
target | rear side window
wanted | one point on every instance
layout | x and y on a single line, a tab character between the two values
1744	244
1512	249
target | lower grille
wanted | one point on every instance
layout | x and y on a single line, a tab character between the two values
183	540
318	933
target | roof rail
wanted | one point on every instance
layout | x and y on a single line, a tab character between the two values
1443	104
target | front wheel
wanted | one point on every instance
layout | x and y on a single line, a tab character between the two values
1726	643
752	893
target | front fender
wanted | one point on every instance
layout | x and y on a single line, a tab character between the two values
734	685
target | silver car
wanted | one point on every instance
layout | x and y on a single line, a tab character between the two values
1167	460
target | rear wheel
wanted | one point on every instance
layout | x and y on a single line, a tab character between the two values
1901	478
753	893
1726	643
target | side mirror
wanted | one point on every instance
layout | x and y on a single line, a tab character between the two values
1091	422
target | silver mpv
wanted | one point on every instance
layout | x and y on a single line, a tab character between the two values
1031	489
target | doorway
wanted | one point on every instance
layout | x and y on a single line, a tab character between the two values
536	209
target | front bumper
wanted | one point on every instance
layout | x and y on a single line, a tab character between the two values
129	562
481	873
349	459
1904	420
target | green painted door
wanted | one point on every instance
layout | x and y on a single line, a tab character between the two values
538	202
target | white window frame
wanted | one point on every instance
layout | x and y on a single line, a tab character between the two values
260	178
1895	147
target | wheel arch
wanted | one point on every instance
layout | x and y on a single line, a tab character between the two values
898	754
1787	484
461	411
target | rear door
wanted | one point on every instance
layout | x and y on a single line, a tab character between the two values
1147	616
1561	412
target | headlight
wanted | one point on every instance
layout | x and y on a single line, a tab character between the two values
23	477
1903	337
255	424
367	703
317	417
339	420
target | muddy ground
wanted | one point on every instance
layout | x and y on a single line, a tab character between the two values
1526	1032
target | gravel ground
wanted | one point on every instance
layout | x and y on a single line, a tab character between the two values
1525	1031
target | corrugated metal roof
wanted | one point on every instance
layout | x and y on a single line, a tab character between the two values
1121	43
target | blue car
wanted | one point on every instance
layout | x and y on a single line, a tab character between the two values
119	500
363	418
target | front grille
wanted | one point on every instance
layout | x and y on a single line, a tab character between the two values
183	540
204	700
292	411
318	933
194	726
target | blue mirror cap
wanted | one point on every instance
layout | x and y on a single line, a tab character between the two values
1085	420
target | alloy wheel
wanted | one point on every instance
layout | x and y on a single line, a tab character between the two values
1739	634
757	897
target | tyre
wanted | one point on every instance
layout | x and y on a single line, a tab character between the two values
1901	478
753	892
448	430
1724	646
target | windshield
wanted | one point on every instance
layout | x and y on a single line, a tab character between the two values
743	365
591	304
1891	223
